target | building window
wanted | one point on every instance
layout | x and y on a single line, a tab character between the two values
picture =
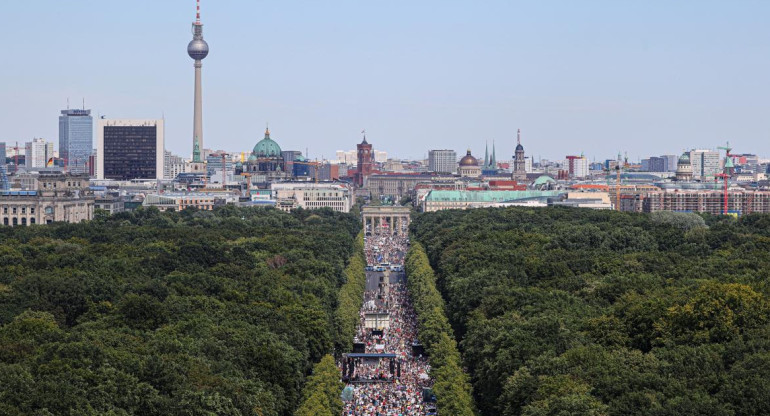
13	210
15	221
23	210
31	220
23	221
49	210
5	221
32	210
5	210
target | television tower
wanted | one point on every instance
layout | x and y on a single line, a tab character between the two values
198	49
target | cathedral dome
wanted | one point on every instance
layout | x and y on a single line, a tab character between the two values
267	147
469	160
684	159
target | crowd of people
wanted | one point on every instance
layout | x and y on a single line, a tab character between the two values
387	386
386	248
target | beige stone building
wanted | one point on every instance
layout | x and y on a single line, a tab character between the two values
306	195
56	197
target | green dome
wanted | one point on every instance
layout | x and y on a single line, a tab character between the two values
267	147
542	180
253	158
684	159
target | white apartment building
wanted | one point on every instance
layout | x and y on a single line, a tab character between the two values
442	161
306	195
173	165
37	152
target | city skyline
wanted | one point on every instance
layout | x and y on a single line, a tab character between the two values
670	78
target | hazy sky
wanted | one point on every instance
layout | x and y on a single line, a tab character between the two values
646	77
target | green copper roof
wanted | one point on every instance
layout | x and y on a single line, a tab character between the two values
544	180
487	196
267	147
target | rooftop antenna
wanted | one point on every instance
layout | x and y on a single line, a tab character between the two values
84	103
68	103
518	137
198	12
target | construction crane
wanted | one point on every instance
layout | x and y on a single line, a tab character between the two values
224	170
16	159
247	175
617	188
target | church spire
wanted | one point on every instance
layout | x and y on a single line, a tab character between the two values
493	160
518	137
486	154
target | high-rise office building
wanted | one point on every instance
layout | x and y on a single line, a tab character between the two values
173	165
671	161
76	139
130	149
37	153
442	161
705	164
577	166
2	153
658	164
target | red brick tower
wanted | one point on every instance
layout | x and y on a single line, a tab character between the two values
365	162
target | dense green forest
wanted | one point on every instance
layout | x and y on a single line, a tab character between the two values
181	313
582	312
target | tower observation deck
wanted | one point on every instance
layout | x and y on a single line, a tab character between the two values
198	49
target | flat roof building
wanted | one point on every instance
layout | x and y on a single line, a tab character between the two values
307	195
442	161
130	149
76	139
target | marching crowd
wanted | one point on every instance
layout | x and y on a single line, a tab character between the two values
388	386
386	249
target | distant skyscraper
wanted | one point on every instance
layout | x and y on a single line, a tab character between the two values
130	149
198	49
442	161
519	161
655	164
671	162
705	164
577	166
37	152
2	153
76	139
173	165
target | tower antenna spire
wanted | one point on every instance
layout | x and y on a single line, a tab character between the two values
198	12
518	137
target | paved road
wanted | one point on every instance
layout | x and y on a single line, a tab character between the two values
373	279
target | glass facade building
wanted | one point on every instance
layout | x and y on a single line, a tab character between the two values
130	149
76	139
130	152
2	153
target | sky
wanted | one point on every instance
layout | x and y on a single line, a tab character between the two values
592	77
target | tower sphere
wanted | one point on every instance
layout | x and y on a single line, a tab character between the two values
198	49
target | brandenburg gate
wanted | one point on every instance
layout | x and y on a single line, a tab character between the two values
385	219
